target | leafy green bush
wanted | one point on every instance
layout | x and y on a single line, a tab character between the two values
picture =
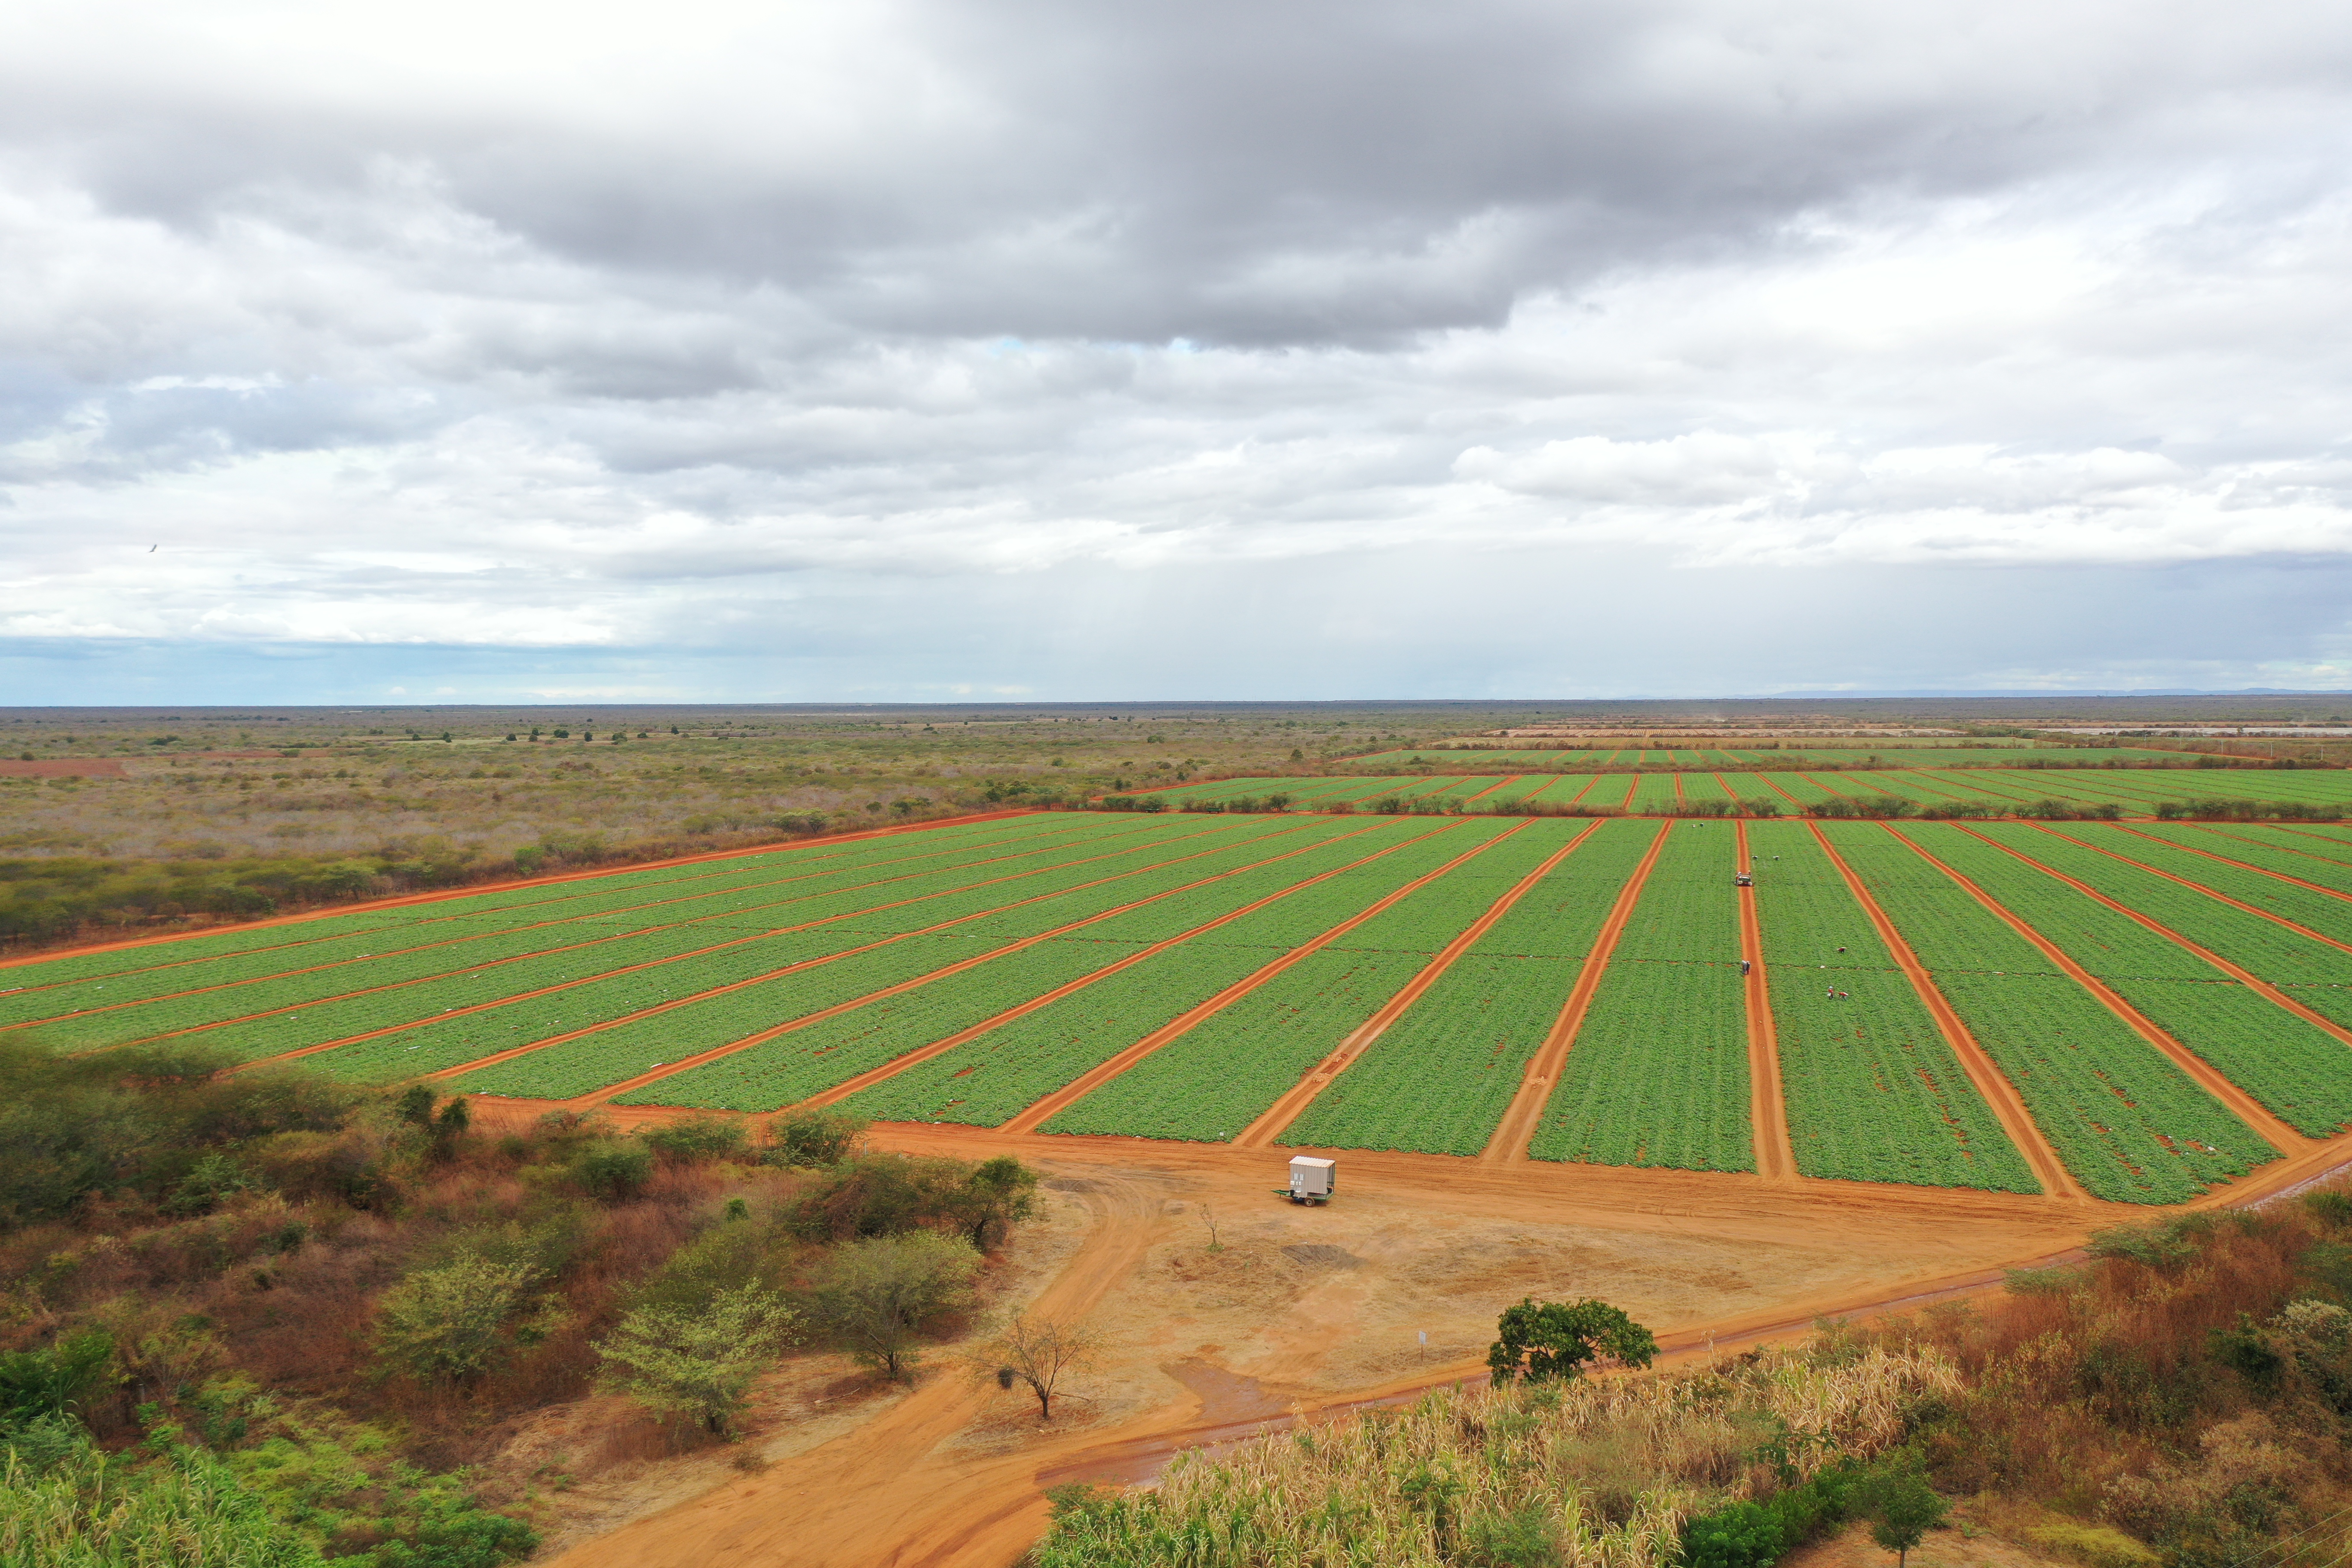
697	1139
613	1168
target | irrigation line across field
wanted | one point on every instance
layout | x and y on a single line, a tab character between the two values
1053	1105
2244	1106
1993	1085
1517	1128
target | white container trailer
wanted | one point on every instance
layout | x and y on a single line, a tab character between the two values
1312	1181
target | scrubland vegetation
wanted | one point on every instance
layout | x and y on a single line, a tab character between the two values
290	1322
2182	1399
196	819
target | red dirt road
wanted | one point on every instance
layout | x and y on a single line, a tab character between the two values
909	1489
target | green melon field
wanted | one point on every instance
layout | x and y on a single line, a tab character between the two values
2138	1011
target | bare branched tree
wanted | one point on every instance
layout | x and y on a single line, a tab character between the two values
1042	1353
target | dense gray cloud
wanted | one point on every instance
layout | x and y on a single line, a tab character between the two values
521	327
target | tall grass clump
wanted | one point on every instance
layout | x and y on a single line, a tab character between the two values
1603	1473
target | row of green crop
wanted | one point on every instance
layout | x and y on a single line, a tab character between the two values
2261	847
1173	907
1658	1074
2131	1125
436	979
1873	1091
1441	1078
627	1049
341	962
994	1078
2300	1072
616	887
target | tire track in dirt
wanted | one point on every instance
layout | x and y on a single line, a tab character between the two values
483	889
1271	1121
1776	789
1631	784
2242	865
924	1053
293	949
671	1069
1499	783
2253	983
1998	1093
1517	1128
1094	1078
600	1096
2244	1106
2276	919
1767	1106
627	968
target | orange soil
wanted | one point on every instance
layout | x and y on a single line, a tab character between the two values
1776	789
2245	866
2198	887
1498	783
1630	786
2316	839
472	890
2261	988
899	1063
2000	1095
932	1479
1517	1128
1767	1113
2248	1109
1286	1109
1087	1082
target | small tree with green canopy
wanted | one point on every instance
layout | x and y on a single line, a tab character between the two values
1904	1508
700	1363
1543	1341
447	1324
876	1296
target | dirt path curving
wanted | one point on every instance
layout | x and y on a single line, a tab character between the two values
1295	1101
1516	1129
1999	1095
2247	1109
1768	1110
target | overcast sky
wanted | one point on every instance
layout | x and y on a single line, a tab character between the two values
868	352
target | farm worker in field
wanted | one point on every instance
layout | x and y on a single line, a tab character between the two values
1743	966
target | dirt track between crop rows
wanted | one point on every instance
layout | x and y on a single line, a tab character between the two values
1211	1345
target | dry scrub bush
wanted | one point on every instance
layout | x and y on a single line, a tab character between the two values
1608	1469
